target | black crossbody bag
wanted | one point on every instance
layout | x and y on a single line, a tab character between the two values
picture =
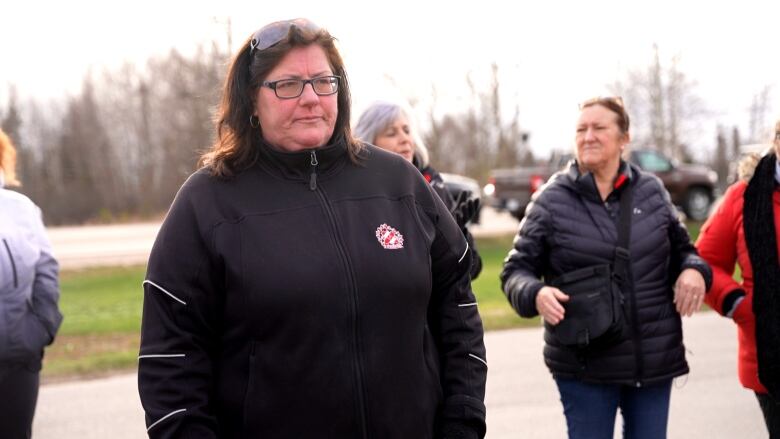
594	313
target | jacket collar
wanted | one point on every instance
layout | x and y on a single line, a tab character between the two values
324	160
585	183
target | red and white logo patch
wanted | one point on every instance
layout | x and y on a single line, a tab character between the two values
389	237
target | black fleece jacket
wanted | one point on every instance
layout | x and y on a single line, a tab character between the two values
311	297
567	227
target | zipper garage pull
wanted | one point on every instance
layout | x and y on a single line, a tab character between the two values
313	177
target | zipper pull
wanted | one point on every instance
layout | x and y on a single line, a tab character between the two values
313	177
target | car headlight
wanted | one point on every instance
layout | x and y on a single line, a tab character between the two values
489	189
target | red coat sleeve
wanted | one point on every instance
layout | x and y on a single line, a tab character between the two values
717	244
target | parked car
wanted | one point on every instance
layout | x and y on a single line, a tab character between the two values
456	184
691	187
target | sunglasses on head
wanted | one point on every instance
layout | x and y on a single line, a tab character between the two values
271	34
616	100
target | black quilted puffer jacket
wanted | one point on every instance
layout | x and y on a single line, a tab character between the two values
567	227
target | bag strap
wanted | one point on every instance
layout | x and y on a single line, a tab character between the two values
622	252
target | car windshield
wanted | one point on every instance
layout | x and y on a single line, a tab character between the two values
653	162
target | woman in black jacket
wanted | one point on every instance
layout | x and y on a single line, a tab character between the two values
571	224
304	284
389	125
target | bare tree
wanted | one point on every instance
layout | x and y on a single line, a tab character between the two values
480	137
721	161
666	111
758	111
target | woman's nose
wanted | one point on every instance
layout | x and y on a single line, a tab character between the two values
308	94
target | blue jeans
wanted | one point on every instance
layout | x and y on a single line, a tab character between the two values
590	409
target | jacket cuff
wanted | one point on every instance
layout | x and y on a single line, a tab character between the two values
457	429
731	300
703	268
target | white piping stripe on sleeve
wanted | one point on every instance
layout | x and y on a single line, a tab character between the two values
165	417
160	356
164	291
461	305
464	253
478	359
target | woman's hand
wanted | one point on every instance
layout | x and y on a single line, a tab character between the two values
689	292
548	304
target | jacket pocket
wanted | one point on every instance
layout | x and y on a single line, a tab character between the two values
11	266
743	313
249	409
26	338
431	358
19	256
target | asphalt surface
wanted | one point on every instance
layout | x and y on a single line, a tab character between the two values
522	400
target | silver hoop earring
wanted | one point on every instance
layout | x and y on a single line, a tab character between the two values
254	121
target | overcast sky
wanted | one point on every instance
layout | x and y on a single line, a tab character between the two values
551	54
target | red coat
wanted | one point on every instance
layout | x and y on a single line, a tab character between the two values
722	244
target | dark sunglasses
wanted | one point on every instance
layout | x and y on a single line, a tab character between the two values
272	34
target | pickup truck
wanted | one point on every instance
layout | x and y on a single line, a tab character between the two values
692	187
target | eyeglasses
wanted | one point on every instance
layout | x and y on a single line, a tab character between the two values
615	100
272	34
292	88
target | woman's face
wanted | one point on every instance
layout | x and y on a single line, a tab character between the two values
397	138
599	139
299	123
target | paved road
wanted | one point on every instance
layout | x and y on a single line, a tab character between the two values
521	397
129	244
90	246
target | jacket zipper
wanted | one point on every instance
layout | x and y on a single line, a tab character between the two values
634	319
354	302
635	332
313	177
13	264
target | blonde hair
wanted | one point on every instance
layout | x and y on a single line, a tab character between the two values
747	165
8	160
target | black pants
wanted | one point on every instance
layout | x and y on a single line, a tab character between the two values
18	395
770	407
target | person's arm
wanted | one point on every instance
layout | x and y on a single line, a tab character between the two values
717	244
463	211
46	288
179	328
476	259
520	278
692	275
456	325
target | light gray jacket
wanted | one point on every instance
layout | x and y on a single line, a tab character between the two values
29	287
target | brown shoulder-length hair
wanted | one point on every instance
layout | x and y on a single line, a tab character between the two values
613	104
237	145
8	160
